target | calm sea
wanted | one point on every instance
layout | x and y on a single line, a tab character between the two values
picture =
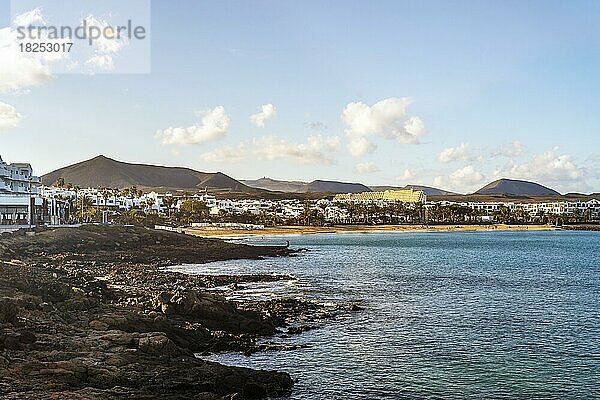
478	315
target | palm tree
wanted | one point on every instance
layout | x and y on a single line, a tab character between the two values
577	214
503	214
169	202
84	207
588	214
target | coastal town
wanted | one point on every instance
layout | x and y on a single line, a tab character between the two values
285	200
25	202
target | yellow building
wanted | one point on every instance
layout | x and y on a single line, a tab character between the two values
403	195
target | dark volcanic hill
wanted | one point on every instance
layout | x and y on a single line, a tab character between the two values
429	191
317	186
516	187
102	171
276	185
320	186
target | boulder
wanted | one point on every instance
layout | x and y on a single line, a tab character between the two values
157	343
8	310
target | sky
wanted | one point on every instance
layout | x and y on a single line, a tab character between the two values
446	94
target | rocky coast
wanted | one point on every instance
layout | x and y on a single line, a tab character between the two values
90	313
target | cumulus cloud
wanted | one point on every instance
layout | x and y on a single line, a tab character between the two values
316	150
9	117
32	17
386	118
464	179
106	47
466	176
366	168
360	146
267	111
460	152
212	126
20	70
406	175
509	150
550	168
226	154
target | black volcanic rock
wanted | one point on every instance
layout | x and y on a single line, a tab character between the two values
102	171
517	187
86	324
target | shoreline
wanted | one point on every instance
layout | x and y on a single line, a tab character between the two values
341	229
92	313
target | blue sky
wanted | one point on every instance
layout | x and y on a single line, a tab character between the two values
449	94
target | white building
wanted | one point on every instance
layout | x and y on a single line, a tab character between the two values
18	191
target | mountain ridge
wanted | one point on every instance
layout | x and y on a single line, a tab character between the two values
517	187
316	186
102	171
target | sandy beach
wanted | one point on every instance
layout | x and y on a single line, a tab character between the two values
308	230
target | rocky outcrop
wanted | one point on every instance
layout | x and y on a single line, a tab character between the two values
78	323
213	312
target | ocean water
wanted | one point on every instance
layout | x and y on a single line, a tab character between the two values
456	315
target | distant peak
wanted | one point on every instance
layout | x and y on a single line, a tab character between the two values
516	187
101	159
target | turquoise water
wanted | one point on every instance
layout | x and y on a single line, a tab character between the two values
503	315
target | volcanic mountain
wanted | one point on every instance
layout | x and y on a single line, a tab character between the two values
105	172
517	187
317	186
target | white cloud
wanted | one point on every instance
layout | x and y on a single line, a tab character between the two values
509	150
386	118
33	17
414	127
332	143
549	168
267	111
406	175
213	125
465	179
460	152
20	70
466	176
366	168
9	117
106	47
226	154
316	150
360	146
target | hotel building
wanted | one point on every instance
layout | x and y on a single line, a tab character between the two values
18	187
21	203
403	195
